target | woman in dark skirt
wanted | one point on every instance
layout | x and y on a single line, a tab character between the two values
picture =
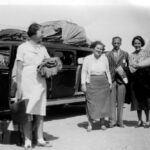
140	81
96	83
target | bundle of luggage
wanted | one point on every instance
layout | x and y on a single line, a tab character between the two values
53	31
13	35
49	67
65	32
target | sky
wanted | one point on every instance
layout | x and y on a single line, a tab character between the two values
101	19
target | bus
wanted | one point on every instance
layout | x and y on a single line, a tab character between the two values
63	88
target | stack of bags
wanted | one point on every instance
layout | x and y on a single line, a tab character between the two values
65	32
13	35
49	67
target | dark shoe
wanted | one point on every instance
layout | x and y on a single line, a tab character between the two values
103	127
120	125
44	144
140	124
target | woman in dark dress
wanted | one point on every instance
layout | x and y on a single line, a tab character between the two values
140	86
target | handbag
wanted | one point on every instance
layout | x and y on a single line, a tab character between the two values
18	110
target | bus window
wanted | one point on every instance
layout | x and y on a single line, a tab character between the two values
67	57
4	56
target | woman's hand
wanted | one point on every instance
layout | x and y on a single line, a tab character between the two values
19	94
83	88
136	66
110	85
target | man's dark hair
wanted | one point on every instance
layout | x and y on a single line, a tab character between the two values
116	37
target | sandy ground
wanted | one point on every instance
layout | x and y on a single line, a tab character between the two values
65	128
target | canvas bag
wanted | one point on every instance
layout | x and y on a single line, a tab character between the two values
18	110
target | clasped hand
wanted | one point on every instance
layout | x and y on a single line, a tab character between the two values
135	65
83	88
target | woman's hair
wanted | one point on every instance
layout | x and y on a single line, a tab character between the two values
33	28
94	44
140	39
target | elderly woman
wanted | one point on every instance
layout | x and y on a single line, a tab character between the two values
30	85
140	97
96	83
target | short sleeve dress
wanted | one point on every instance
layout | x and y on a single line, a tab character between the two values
33	86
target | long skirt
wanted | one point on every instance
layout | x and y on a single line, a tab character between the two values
98	98
140	89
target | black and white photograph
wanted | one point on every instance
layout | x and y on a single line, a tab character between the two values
75	75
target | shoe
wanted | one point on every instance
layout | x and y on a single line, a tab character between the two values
44	144
103	127
89	128
120	125
27	147
111	125
140	124
147	125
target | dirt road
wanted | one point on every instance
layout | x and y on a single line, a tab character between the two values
65	128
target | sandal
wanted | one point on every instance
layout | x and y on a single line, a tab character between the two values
89	128
44	144
27	147
103	127
140	124
147	124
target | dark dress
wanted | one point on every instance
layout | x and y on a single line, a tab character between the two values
139	84
140	89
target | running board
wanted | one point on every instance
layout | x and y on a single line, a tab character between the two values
59	101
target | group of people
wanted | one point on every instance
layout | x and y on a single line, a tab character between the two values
109	78
104	78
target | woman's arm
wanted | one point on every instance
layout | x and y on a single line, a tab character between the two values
108	72
46	54
84	73
131	64
18	78
144	63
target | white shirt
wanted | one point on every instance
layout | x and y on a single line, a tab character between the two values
93	66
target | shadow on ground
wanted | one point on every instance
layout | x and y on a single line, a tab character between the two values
83	125
130	123
49	137
95	126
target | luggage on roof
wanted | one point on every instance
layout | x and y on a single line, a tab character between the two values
13	35
65	32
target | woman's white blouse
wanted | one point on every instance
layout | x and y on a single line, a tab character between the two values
93	66
98	67
136	58
30	53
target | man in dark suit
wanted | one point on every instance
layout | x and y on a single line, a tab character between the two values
118	65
